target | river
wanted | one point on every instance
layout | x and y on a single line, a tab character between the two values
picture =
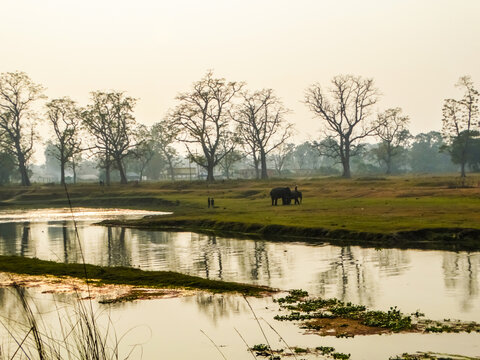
441	284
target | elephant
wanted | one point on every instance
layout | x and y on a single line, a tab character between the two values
283	193
297	196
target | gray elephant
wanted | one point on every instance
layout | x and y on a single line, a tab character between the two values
297	196
283	193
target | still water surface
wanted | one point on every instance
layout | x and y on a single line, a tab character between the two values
441	284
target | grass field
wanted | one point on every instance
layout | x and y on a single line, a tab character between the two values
361	205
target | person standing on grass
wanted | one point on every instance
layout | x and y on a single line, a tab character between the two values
209	202
212	202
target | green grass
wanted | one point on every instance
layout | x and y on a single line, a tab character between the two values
124	276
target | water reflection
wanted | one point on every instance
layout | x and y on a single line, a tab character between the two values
218	307
439	281
461	276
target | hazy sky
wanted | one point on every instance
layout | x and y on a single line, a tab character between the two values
414	49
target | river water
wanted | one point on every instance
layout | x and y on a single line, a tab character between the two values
441	284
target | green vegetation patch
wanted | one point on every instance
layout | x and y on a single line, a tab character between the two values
327	352
124	276
344	319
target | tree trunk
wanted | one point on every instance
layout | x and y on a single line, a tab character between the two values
172	172
346	161
210	166
74	169
22	166
256	163
23	171
210	177
121	170
62	172
462	169
389	163
263	160
107	171
389	159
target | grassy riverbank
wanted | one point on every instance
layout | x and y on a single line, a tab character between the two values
423	211
124	276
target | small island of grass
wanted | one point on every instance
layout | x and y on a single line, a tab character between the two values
98	275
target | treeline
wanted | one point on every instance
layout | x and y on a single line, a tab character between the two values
229	130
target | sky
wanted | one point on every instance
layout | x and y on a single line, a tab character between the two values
415	50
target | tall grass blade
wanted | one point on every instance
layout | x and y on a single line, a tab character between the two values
213	342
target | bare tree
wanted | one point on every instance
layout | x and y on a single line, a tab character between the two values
228	147
164	134
344	110
281	155
392	129
110	120
144	150
65	118
203	116
262	126
17	123
460	118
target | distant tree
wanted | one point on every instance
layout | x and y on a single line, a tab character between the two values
367	161
306	156
109	119
262	126
7	167
17	119
164	134
474	152
465	147
345	111
425	156
52	165
300	154
232	155
65	118
392	129
460	118
157	166
281	155
203	115
142	153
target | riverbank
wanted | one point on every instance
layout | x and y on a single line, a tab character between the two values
136	278
454	239
432	212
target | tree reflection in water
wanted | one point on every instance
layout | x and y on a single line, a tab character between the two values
354	273
461	276
9	234
247	260
217	307
118	253
25	239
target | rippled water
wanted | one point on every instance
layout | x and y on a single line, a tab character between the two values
442	284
